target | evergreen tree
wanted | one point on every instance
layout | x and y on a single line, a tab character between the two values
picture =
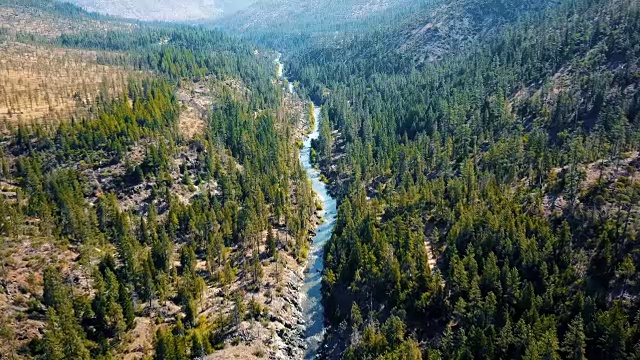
574	343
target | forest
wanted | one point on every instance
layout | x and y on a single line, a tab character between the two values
489	200
485	155
156	221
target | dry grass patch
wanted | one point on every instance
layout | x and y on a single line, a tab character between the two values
22	262
199	97
41	23
39	83
197	100
140	339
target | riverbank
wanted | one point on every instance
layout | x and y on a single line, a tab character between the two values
313	310
279	333
311	289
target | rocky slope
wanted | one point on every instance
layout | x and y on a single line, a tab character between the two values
185	10
323	15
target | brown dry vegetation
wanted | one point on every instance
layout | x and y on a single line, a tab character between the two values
139	340
607	174
628	166
48	84
39	22
196	100
22	261
41	83
199	97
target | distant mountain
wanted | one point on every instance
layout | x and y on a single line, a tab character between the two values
258	15
300	15
162	10
422	30
451	25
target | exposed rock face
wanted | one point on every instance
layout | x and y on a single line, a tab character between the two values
288	341
280	333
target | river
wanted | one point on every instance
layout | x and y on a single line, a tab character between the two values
311	295
313	310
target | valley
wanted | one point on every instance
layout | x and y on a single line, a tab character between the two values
312	307
279	179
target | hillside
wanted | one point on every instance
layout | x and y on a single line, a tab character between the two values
37	18
419	31
42	82
148	177
433	32
159	10
248	15
484	157
281	16
489	196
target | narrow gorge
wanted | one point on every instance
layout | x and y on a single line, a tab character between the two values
311	292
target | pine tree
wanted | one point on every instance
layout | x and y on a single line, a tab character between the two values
7	335
164	346
272	243
187	261
256	267
73	338
239	309
574	343
53	288
146	287
53	337
126	302
191	312
197	347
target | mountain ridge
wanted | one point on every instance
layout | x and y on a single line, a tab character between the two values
158	10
